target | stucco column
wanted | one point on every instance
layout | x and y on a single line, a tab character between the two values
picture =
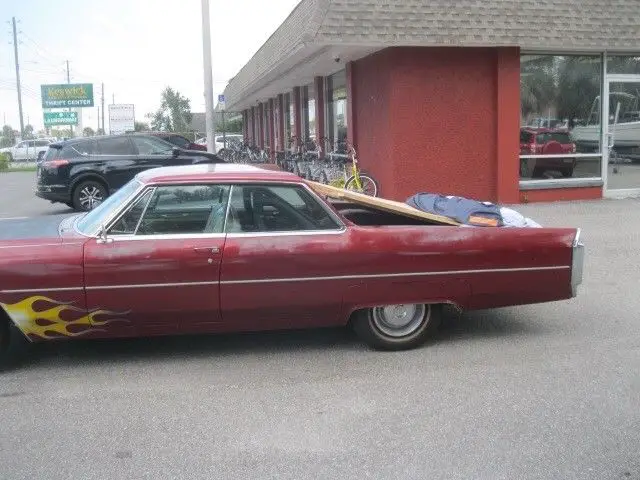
272	141
508	125
351	93
281	114
261	125
297	118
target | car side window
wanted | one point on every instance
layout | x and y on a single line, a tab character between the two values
22	145
128	223
180	210
151	146
115	146
266	208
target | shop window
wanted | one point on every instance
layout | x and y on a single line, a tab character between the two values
623	64
308	115
337	110
560	131
311	112
289	120
265	125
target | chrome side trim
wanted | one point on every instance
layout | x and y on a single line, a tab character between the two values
41	245
32	290
394	275
287	234
149	285
284	280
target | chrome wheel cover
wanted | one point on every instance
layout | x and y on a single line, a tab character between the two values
90	197
400	320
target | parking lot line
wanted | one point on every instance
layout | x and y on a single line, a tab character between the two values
13	218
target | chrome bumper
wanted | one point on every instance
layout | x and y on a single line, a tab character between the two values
577	263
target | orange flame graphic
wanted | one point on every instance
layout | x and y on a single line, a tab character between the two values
49	323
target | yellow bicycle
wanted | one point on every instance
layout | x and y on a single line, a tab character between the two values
352	178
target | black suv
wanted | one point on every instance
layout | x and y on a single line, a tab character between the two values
82	172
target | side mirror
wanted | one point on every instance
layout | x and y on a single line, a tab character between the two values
102	235
176	152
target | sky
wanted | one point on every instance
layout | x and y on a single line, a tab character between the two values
136	47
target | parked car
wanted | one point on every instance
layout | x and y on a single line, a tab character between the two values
545	141
220	140
178	140
219	248
27	150
82	172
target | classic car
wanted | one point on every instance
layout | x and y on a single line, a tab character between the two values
226	247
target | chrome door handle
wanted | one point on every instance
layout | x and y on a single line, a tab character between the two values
207	249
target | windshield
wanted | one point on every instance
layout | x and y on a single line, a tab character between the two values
91	221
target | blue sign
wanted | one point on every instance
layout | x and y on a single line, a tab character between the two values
220	98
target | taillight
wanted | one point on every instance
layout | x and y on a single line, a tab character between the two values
573	148
51	164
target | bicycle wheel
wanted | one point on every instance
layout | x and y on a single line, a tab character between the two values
368	185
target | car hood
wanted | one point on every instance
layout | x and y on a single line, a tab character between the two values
35	228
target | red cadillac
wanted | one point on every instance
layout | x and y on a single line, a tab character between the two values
220	248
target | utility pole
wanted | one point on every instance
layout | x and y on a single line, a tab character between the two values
208	76
104	132
15	51
68	76
113	98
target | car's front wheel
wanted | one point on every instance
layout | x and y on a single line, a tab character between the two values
397	327
88	195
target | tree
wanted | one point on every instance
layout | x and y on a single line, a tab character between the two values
141	127
8	136
28	132
578	86
233	126
100	131
174	114
88	132
537	84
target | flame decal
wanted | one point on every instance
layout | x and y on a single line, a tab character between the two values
50	322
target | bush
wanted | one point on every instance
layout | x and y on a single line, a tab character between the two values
4	162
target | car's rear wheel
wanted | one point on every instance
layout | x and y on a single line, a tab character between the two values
13	344
88	194
397	327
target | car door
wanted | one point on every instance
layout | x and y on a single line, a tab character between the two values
154	152
117	158
160	261
21	151
282	258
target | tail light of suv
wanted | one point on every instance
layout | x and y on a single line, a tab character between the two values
53	164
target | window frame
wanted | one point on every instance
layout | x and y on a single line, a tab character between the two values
141	191
340	225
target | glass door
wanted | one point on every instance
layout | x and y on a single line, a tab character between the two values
621	166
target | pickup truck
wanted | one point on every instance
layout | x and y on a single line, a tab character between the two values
27	150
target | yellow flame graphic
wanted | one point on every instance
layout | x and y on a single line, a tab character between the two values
46	323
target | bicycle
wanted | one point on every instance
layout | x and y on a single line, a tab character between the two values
352	179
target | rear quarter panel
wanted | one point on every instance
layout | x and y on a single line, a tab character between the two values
471	267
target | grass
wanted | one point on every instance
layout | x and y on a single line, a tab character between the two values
30	168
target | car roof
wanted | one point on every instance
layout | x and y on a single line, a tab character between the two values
215	172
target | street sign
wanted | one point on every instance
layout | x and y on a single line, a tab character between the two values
122	118
60	118
221	101
66	95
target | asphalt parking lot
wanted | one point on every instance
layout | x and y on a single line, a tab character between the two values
548	391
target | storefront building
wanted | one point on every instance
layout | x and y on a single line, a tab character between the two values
503	101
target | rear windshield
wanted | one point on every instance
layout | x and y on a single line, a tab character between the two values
177	140
525	137
560	137
70	151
